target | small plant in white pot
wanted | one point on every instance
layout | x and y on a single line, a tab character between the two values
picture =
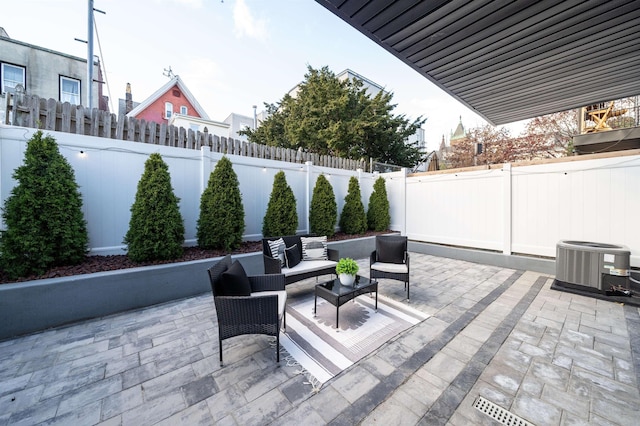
347	269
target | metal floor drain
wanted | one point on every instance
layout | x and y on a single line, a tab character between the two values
498	413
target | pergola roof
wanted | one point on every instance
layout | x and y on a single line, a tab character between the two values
510	60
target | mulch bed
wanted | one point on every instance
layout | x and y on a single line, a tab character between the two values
93	264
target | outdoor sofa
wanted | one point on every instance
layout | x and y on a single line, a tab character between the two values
298	257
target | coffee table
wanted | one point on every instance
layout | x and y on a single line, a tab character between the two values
338	294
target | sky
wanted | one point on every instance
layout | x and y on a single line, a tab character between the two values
230	54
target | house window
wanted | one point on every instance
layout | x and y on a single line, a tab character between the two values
11	76
70	90
168	110
183	110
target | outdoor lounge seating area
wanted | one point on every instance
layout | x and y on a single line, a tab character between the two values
502	334
290	255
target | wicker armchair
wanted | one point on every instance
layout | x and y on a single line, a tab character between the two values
260	313
390	259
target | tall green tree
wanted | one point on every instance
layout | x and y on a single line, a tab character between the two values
156	228
378	217
221	221
281	217
45	226
329	116
353	219
323	212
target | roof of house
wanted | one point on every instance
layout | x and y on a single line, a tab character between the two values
347	73
175	81
510	61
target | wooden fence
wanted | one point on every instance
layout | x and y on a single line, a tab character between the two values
34	112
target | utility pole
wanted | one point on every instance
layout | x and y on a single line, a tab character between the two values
90	54
255	117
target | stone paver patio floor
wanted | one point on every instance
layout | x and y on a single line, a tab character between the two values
549	357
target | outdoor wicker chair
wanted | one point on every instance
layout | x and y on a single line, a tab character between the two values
390	259
260	312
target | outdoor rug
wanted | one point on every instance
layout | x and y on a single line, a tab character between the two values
324	351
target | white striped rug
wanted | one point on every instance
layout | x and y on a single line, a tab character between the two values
323	350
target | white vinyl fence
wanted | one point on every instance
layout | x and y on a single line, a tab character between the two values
108	171
511	209
524	209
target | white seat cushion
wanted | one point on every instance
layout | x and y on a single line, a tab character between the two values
395	268
308	266
282	298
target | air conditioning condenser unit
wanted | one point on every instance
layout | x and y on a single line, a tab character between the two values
592	266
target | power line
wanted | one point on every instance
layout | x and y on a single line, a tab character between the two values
106	79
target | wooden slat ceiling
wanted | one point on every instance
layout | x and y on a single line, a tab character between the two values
510	60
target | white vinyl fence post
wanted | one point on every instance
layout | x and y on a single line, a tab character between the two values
404	201
205	165
507	212
308	195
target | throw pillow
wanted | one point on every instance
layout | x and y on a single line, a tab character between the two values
390	250
234	281
292	256
314	248
277	249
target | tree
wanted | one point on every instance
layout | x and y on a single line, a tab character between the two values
221	221
333	117
45	226
156	228
353	219
462	154
281	217
550	135
547	136
378	217
497	145
323	212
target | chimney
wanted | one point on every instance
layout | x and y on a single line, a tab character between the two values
128	105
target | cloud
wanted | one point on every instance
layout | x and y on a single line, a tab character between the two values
245	24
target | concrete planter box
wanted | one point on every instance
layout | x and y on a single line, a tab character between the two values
38	305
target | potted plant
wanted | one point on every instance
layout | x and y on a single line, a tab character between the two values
347	269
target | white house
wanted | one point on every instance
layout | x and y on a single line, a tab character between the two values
36	70
199	124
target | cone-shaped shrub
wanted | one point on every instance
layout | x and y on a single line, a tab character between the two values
281	217
221	220
43	215
323	212
353	219
156	229
378	217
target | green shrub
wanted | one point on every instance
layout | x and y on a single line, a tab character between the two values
378	217
353	219
221	220
45	226
323	212
281	217
156	229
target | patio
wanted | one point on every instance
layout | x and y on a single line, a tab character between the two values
548	357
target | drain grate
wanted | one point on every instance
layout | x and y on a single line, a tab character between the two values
498	413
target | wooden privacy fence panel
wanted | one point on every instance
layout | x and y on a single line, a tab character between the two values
34	112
